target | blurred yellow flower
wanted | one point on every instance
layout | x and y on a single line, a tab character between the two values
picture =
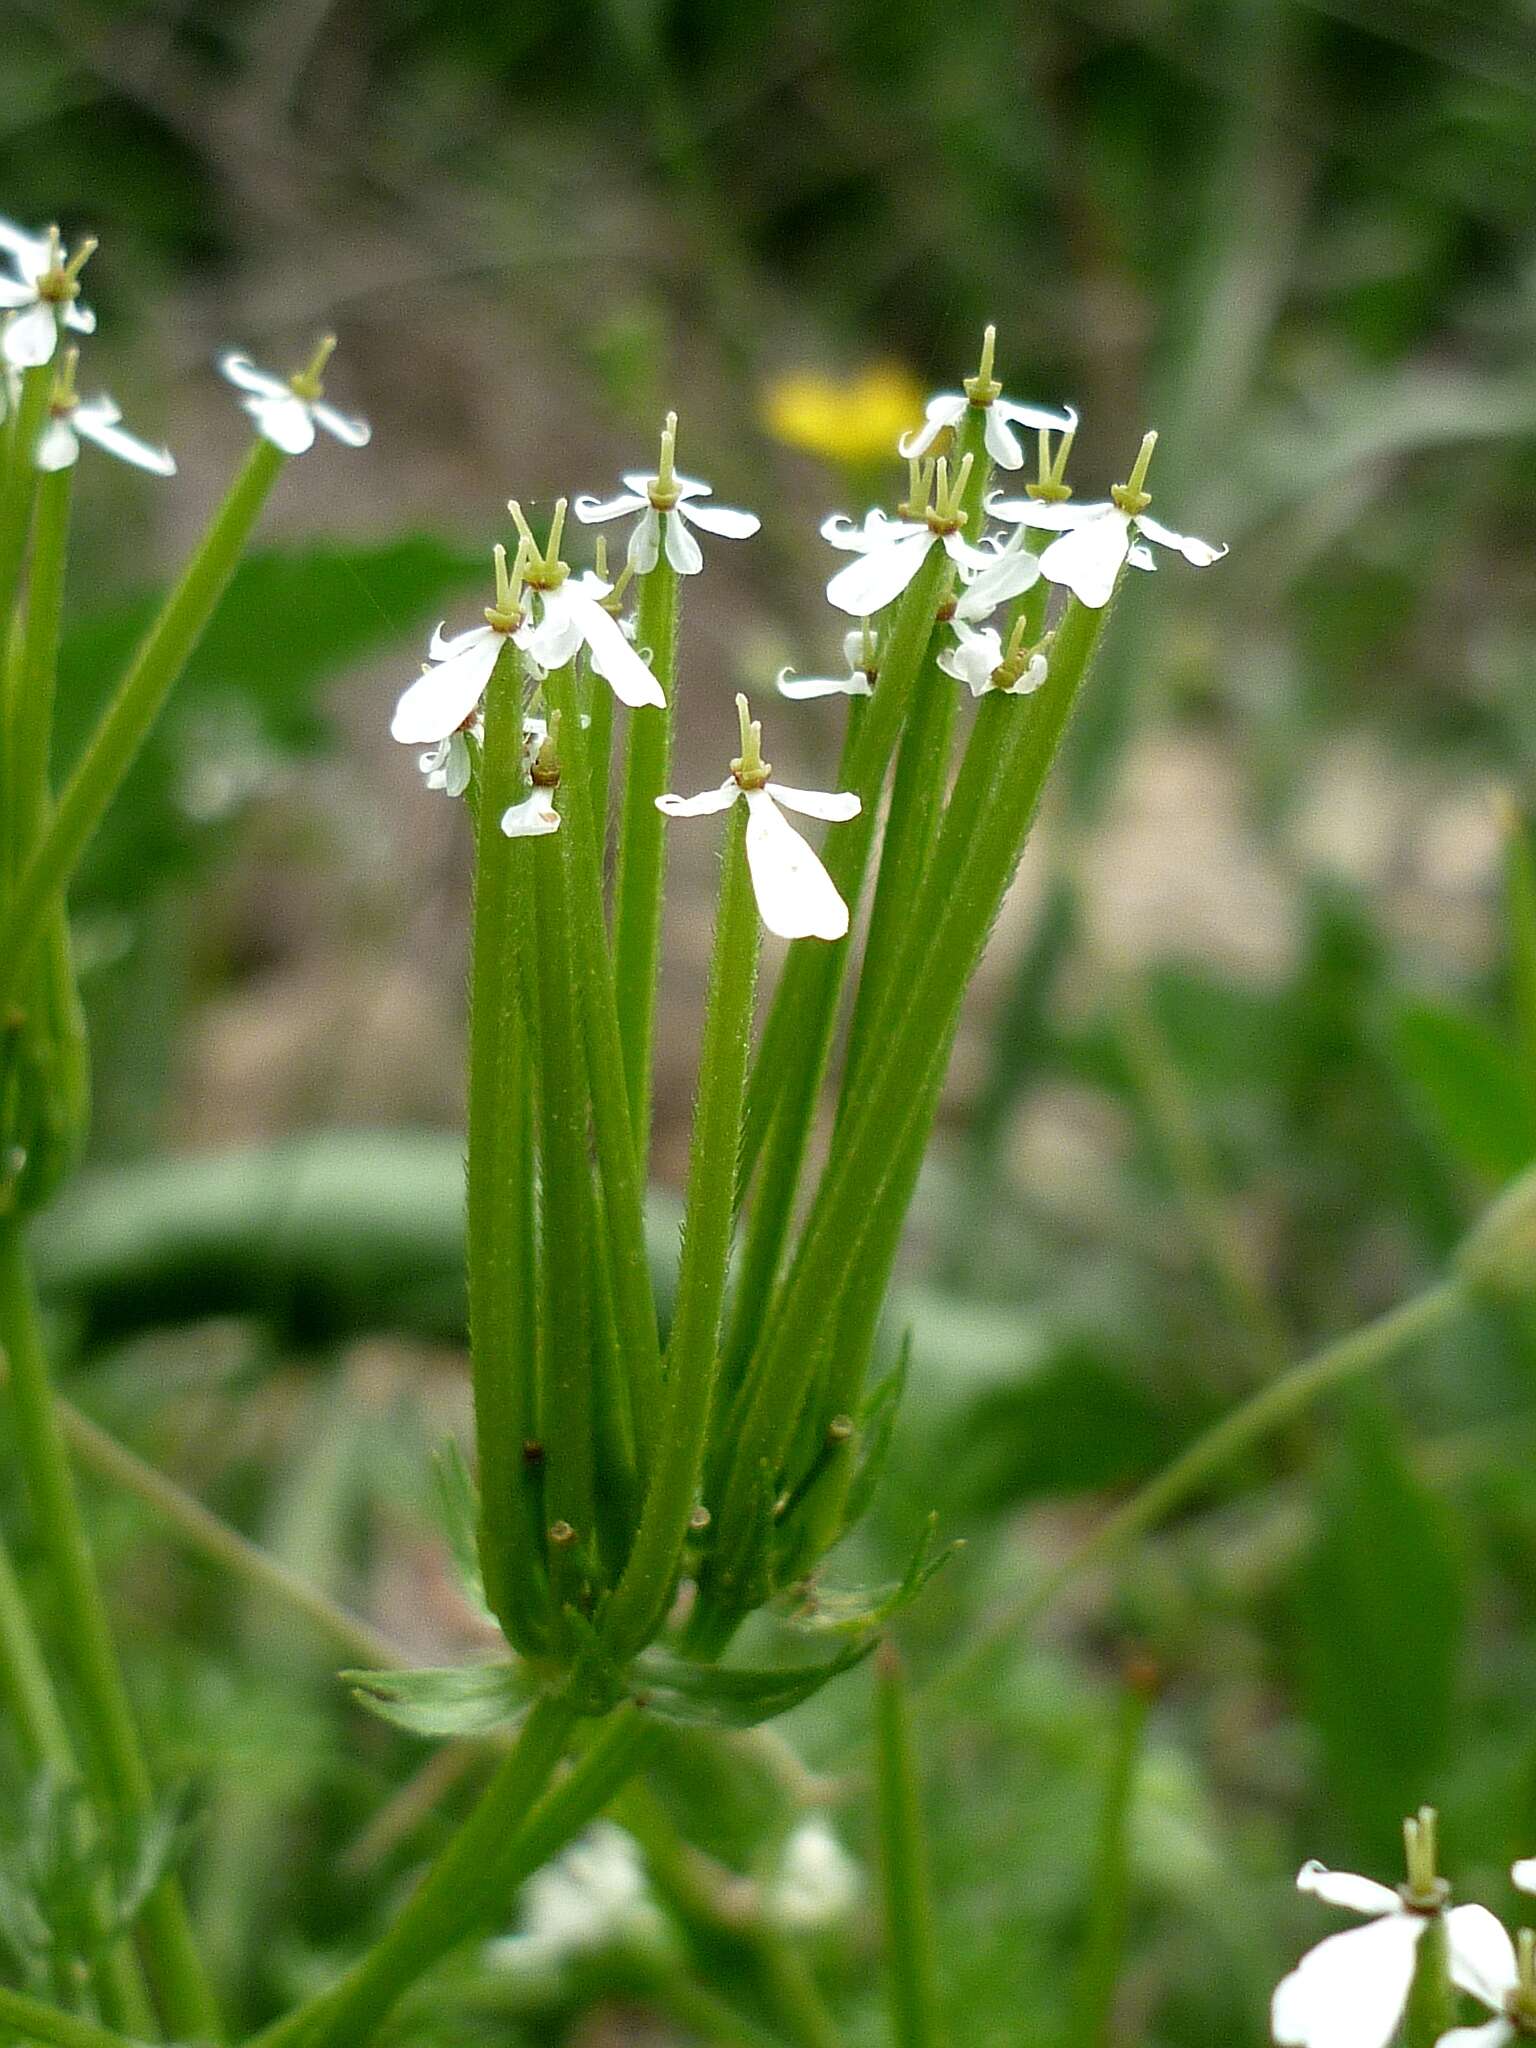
854	419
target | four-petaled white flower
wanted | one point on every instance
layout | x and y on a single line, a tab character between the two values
890	553
977	656
1095	541
286	414
858	650
1003	415
668	505
571	614
1349	1991
44	291
796	897
96	419
532	818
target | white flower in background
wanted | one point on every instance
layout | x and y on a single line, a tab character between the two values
1002	415
447	694
593	1897
44	292
1350	1991
97	420
891	551
572	614
817	1882
796	897
978	660
287	410
668	505
1097	539
858	651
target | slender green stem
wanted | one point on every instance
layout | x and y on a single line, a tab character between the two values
18	481
643	1596
1362	1351
599	747
511	1831
618	1164
31	2020
911	1941
642	863
31	724
127	720
1109	1888
116	1759
1430	2011
499	1186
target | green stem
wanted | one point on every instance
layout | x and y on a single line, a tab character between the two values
1108	1895
618	1164
911	1943
499	1187
796	1996
31	723
599	747
1347	1358
511	1832
1430	2011
642	862
643	1596
33	2021
124	725
117	1762
18	481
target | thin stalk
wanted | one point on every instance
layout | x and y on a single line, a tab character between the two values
1109	1889
599	747
128	718
499	1186
640	1602
642	861
618	1162
116	1759
1430	2011
911	1938
32	2020
42	1736
31	722
511	1832
18	481
1363	1351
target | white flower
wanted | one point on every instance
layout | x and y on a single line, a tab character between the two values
44	291
668	506
448	691
571	614
976	658
592	1897
890	552
533	818
796	897
817	1881
858	650
1349	1991
1501	1977
287	410
1003	415
446	766
1008	573
96	419
1523	1875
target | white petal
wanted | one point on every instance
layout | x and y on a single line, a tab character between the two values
1002	442
1141	556
796	898
878	528
28	249
31	337
58	447
1491	2034
639	481
1523	1875
645	542
683	551
445	647
721	519
876	579
944	411
701	806
1023	414
1482	1956
973	657
14	291
1350	1990
345	427
1049	515
79	317
1088	559
612	656
1201	553
241	371
1035	672
98	423
598	511
802	689
835	805
286	422
1008	575
971	560
438	703
853	647
1343	1888
558	634
533	818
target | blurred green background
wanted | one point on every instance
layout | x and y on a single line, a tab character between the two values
1257	1036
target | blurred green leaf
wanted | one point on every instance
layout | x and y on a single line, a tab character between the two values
467	1699
1382	1611
726	1696
1470	1084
